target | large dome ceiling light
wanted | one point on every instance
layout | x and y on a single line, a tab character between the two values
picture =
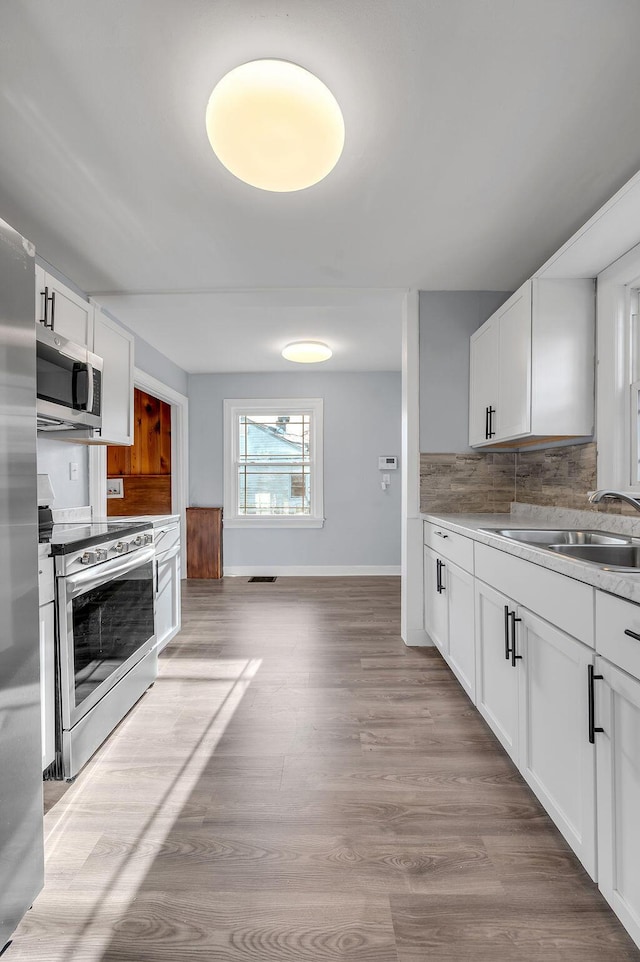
275	126
307	352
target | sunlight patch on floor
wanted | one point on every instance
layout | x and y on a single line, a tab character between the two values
108	799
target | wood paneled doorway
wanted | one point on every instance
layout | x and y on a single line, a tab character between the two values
143	471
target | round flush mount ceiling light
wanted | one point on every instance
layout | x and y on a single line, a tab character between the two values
307	352
275	126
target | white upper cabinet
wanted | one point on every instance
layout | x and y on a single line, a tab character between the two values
532	366
483	383
513	414
116	348
62	310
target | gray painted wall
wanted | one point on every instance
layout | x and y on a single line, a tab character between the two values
53	459
362	414
150	360
447	320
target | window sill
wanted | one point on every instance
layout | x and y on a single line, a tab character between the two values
282	522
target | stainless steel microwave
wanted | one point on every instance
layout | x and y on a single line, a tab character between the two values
68	384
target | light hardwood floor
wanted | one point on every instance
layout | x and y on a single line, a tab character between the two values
299	786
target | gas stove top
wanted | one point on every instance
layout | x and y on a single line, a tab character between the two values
65	538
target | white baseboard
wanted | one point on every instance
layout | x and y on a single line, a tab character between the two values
418	638
310	571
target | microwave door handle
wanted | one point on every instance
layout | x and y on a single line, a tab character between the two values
77	371
90	389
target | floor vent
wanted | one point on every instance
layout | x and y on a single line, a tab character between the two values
261	580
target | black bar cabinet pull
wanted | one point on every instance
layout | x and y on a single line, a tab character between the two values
592	678
438	584
45	319
53	310
632	634
514	657
486	423
507	648
491	432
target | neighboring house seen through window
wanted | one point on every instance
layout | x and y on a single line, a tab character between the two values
273	462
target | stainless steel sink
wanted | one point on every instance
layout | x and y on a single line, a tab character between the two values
546	537
602	548
618	556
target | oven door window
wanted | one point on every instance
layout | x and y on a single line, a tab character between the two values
110	624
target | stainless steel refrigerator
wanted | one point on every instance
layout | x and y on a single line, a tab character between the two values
21	826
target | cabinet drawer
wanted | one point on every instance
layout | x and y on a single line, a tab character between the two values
562	601
165	538
614	616
45	575
447	544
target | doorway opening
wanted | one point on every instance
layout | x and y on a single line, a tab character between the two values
139	477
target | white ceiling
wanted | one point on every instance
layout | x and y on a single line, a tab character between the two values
480	135
229	331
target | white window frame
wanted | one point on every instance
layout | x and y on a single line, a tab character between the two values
233	408
617	378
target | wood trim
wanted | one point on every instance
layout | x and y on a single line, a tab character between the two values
143	494
179	441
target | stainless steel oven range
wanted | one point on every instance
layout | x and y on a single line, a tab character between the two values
105	635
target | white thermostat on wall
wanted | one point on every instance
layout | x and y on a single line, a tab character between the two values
386	463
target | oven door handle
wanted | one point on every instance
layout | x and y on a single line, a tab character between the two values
84	581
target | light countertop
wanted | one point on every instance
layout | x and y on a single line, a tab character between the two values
623	584
154	520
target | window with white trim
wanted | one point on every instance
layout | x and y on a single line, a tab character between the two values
618	374
273	463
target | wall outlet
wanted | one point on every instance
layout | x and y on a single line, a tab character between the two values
115	488
74	471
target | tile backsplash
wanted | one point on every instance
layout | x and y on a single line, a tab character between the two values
556	476
479	482
467	483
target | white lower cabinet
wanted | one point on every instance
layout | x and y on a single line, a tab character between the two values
449	616
168	609
532	692
436	614
618	762
461	656
556	757
559	688
496	680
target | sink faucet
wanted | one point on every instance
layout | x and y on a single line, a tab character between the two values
596	496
